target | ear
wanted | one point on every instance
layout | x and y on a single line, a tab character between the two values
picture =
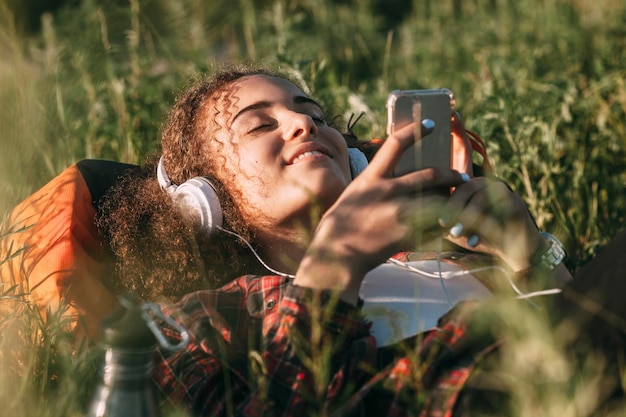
358	161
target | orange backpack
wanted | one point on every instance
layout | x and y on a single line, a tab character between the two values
51	250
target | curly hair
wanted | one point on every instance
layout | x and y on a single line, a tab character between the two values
160	253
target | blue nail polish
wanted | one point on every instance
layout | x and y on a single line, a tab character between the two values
472	241
428	125
465	177
456	230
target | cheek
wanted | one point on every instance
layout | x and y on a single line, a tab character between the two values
346	169
237	157
343	159
257	157
250	164
252	171
244	188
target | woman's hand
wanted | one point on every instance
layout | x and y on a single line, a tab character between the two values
484	215
372	220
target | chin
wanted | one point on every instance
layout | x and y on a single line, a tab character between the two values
323	186
331	192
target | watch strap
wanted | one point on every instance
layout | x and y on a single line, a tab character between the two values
554	255
546	259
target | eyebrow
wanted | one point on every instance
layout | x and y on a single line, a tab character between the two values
266	103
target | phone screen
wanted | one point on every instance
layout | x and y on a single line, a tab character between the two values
434	149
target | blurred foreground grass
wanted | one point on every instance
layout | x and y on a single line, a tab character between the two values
543	82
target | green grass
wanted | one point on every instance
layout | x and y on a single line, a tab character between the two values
543	82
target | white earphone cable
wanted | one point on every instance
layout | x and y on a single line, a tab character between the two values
440	275
439	271
254	252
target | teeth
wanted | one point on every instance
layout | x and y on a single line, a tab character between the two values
304	155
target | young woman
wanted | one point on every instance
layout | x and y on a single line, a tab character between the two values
276	326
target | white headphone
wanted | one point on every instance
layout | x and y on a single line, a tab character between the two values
200	196
358	161
197	194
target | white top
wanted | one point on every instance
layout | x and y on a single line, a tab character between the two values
402	301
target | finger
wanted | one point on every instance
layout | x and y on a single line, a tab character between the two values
387	157
479	211
483	192
459	199
489	218
511	242
477	237
429	178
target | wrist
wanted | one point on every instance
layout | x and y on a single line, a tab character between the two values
546	258
324	270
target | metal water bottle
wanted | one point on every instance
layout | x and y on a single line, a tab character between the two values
129	347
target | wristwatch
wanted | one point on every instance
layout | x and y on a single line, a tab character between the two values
552	257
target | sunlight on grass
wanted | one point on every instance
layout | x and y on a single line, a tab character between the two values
20	115
543	82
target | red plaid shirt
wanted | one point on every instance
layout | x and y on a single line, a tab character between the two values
261	346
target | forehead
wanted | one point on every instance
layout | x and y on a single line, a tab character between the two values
254	88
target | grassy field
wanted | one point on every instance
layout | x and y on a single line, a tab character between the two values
542	81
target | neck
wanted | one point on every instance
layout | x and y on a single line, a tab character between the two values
283	252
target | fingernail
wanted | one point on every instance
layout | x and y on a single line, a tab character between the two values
443	220
455	231
472	241
428	125
465	177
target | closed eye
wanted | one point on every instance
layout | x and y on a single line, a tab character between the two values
318	119
262	125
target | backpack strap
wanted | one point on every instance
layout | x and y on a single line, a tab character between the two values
478	145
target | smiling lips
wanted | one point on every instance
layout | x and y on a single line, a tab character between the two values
308	151
307	155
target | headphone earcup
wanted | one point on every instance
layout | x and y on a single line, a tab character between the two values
358	161
199	195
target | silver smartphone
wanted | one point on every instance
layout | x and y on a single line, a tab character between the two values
434	149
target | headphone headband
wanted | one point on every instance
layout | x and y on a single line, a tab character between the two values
164	180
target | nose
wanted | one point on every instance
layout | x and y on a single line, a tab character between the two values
300	126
